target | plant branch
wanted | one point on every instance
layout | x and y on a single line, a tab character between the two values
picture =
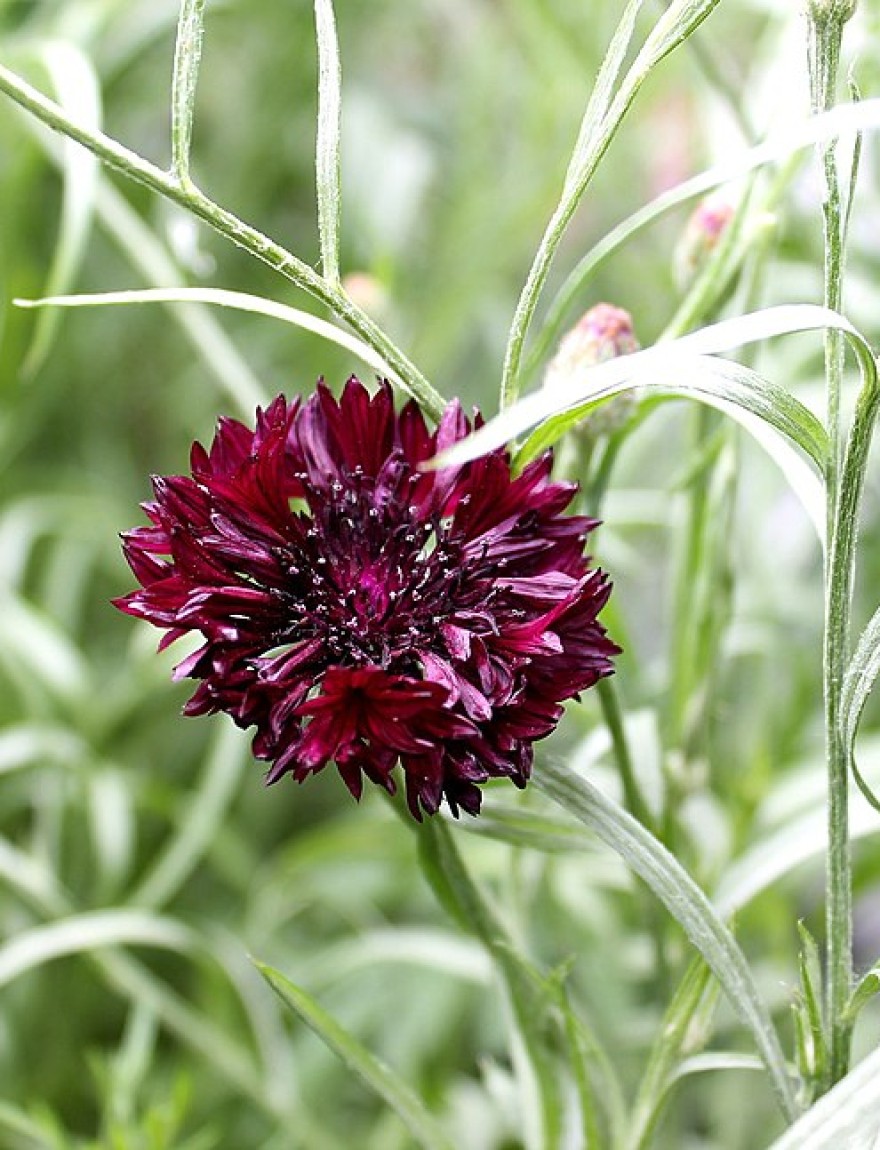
243	235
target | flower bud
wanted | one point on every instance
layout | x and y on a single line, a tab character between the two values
602	333
700	238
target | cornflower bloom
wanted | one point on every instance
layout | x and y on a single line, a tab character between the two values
359	609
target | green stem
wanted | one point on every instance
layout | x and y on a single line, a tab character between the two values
843	492
678	22
187	57
632	792
243	235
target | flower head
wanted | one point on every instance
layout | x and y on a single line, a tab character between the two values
357	609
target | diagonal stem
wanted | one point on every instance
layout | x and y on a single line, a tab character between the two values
242	234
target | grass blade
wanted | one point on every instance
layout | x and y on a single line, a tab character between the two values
771	415
780	146
676	358
665	1059
530	994
687	904
372	1072
327	163
773	857
847	1116
239	301
600	99
679	20
860	677
76	87
196	828
87	932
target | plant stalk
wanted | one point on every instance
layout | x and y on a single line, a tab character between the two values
825	34
243	235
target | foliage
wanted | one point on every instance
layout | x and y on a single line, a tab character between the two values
507	981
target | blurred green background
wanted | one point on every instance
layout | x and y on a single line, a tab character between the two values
459	116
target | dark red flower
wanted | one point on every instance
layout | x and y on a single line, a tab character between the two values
357	609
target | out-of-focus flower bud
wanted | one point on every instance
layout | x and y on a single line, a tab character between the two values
700	238
602	333
369	294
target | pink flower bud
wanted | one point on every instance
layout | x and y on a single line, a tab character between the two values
602	333
701	236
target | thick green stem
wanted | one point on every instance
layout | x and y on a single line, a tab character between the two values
187	196
843	491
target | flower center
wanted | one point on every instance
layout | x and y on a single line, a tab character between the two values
369	573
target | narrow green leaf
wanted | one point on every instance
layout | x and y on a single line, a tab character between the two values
33	646
19	1124
586	1059
525	828
665	1057
665	359
531	994
861	674
112	827
848	1116
374	1073
855	95
75	84
776	855
603	89
687	904
29	744
778	147
187	57
810	969
715	1060
196	1030
434	951
260	246
868	987
239	301
199	825
87	932
679	20
770	414
327	161
150	257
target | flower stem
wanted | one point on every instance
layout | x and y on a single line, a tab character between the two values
184	193
843	487
632	791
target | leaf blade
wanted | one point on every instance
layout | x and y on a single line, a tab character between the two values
771	415
685	901
779	146
849	1111
374	1073
76	86
679	20
861	674
239	301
